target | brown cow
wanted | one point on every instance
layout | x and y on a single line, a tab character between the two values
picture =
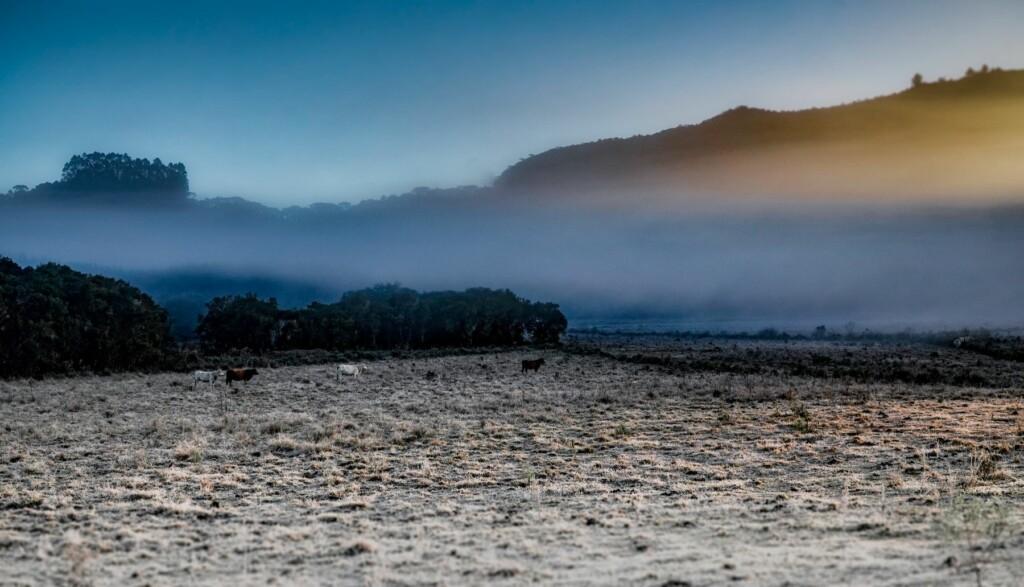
239	374
532	364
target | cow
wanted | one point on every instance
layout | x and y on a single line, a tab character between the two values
963	340
239	374
532	364
204	376
349	370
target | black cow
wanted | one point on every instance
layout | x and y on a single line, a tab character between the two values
532	364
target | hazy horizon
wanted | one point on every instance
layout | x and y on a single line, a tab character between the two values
902	210
927	268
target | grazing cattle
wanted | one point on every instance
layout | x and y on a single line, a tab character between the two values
204	376
349	370
961	341
239	374
532	364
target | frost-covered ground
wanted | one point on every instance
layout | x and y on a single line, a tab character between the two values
592	471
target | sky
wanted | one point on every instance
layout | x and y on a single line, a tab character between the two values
292	103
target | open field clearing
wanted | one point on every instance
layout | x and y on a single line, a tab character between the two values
462	470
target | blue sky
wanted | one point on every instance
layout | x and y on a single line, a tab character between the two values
295	102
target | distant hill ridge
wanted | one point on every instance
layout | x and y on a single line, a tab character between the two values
940	138
950	139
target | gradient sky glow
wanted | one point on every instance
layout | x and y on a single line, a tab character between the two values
291	103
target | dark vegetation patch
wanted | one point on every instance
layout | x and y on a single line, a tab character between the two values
111	178
54	320
926	360
380	318
1008	348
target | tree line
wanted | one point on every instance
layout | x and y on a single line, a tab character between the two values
54	319
381	317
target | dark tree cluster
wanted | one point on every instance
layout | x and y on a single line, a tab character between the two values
110	178
56	320
382	317
118	172
238	322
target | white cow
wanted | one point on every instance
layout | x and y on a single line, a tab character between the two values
204	376
349	370
961	341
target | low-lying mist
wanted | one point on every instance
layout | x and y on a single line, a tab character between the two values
786	265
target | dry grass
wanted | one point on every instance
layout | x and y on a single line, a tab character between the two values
591	471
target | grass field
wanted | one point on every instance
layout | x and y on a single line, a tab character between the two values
462	470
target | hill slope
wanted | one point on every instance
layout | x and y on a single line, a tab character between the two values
949	140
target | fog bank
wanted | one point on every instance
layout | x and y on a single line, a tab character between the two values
782	265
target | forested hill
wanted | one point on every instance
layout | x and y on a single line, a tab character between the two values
938	140
110	178
942	138
114	180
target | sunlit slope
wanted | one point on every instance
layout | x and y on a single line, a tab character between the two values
946	141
